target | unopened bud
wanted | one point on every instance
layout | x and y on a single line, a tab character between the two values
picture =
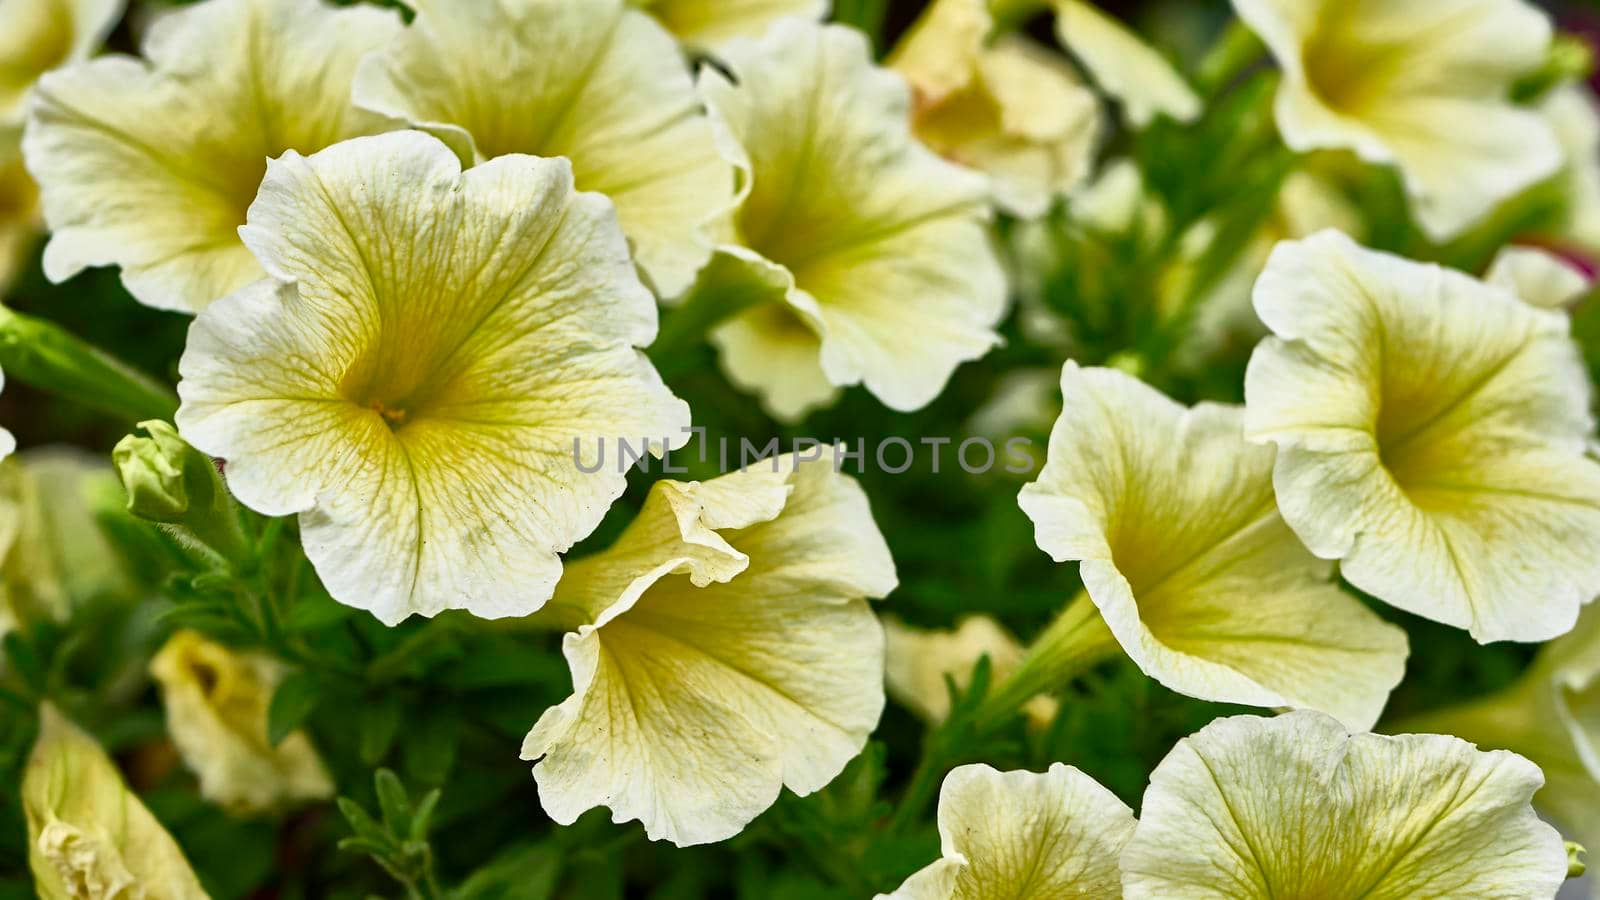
153	470
170	482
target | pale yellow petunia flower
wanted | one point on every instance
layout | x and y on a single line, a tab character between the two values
1551	715
873	254
37	36
414	377
1431	435
150	164
706	24
1124	66
1537	276
1010	108
918	661
216	702
595	81
1423	85
89	837
1010	835
1296	806
1170	513
723	651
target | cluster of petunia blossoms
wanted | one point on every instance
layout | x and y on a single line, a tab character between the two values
425	257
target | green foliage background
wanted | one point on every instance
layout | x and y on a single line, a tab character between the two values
445	703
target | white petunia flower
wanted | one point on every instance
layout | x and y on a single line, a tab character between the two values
1170	513
595	81
1251	808
150	164
1431	436
1422	84
216	702
1551	715
1010	108
416	374
723	650
89	837
872	254
1024	835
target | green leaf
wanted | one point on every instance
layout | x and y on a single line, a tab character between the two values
380	722
430	754
521	873
393	802
294	700
368	831
316	612
422	816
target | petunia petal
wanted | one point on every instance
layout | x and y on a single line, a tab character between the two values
88	834
1431	433
1024	834
216	704
1537	276
591	80
885	241
151	164
1171	514
1424	85
694	704
1124	66
418	378
1298	807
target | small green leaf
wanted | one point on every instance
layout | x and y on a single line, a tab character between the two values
294	700
367	830
393	802
422	816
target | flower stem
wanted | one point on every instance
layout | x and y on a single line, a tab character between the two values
50	358
1075	642
1235	52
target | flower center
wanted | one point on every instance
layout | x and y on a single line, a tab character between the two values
395	416
1349	74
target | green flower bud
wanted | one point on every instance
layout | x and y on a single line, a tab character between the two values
1575	864
152	470
174	484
